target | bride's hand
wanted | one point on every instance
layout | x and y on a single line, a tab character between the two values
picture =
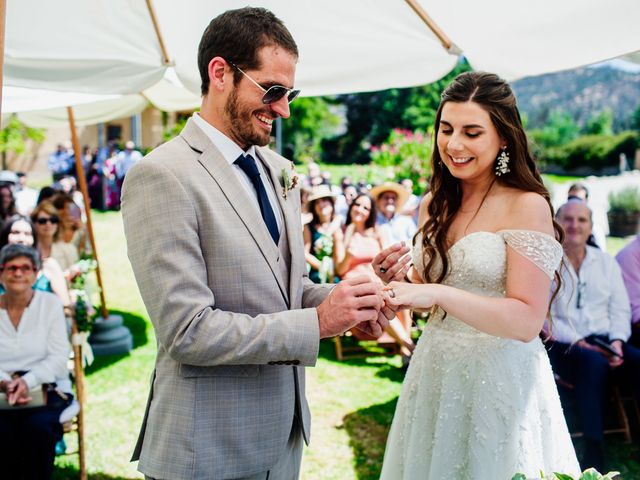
402	295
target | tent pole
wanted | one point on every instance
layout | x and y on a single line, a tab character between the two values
82	181
446	42
3	15
156	27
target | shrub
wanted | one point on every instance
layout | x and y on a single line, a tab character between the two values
593	151
626	200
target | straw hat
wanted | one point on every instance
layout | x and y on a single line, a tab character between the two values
321	191
399	190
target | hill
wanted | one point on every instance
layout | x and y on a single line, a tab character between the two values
582	92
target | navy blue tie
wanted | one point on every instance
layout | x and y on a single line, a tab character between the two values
248	166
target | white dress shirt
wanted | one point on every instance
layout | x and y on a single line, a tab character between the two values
40	344
592	301
231	151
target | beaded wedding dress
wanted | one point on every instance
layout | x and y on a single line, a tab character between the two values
474	406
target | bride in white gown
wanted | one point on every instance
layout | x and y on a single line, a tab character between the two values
479	400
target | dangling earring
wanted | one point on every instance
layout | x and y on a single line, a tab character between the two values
502	164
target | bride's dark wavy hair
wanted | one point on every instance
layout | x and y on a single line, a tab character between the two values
495	96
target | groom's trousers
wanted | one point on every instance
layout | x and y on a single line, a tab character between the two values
288	465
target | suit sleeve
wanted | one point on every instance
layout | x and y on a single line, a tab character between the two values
163	243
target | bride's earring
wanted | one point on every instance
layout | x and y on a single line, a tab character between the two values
502	162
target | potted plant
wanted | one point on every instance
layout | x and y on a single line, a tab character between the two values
624	212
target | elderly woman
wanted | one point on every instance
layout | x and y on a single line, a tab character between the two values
46	220
34	349
50	278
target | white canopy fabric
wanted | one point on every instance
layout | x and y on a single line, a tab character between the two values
109	47
47	108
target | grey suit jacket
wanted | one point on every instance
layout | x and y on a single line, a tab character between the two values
232	339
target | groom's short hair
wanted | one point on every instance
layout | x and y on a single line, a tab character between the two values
237	36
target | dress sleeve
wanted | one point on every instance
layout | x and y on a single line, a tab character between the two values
541	249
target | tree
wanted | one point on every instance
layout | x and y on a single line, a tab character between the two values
635	119
599	124
312	120
559	129
14	137
371	117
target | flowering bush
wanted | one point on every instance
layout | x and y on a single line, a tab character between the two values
77	285
406	154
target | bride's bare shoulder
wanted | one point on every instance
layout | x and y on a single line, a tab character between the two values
528	211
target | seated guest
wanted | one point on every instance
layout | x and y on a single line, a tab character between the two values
322	236
390	197
7	202
34	350
71	229
50	278
598	237
592	306
362	242
46	219
629	260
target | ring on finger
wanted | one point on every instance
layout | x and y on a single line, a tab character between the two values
392	294
382	269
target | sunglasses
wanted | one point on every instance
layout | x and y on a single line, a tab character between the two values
44	220
12	269
273	93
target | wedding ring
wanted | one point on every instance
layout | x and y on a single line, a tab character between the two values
382	269
392	294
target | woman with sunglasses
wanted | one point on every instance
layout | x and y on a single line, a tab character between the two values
46	220
50	277
34	349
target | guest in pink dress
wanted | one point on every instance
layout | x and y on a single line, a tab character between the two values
362	242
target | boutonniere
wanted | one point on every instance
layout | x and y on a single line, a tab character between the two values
290	180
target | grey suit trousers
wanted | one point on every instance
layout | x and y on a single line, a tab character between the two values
288	465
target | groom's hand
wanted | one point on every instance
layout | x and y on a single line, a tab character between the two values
350	303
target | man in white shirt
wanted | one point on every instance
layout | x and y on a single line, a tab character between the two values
591	323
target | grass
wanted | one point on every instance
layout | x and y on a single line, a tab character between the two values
352	402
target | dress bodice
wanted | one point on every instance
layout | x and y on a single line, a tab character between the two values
478	261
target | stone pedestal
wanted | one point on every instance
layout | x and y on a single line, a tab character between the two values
110	337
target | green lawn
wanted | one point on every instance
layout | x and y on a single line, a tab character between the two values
352	402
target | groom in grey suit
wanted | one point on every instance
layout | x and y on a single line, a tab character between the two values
212	220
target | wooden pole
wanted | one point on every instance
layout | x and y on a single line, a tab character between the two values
78	362
3	15
446	42
156	27
82	181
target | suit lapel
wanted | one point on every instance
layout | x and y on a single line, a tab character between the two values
223	175
292	224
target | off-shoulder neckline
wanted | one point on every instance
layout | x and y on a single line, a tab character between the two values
498	232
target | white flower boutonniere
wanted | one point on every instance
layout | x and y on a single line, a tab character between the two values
290	180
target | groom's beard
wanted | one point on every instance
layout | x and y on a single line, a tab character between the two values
241	126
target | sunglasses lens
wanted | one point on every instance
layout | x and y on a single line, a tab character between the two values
293	95
274	94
